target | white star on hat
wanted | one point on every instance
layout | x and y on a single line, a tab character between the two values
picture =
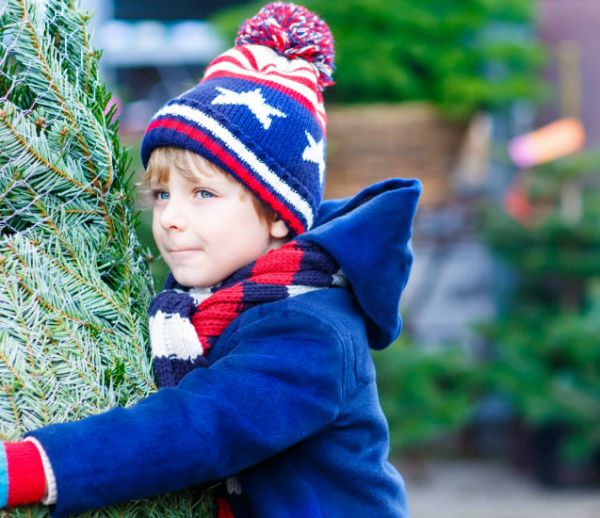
254	100
314	153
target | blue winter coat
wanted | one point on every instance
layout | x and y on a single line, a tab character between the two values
289	402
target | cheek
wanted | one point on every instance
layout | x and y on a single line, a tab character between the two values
156	229
240	238
252	238
249	227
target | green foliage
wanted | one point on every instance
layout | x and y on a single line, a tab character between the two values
556	246
74	281
548	364
548	344
425	395
462	55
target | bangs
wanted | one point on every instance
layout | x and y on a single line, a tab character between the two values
190	165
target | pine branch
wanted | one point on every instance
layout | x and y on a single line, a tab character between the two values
74	282
44	75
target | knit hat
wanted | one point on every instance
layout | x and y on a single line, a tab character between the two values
258	111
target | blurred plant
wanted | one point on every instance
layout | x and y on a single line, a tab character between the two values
426	395
548	343
461	56
555	246
548	364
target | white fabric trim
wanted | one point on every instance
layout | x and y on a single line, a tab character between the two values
51	490
173	336
199	294
300	289
244	154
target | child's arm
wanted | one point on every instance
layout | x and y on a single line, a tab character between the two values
282	382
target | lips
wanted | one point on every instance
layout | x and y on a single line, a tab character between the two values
184	248
184	253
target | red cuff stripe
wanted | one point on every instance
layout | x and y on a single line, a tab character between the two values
26	479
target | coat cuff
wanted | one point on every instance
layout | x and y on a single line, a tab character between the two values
51	490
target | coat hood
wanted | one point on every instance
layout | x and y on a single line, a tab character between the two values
369	235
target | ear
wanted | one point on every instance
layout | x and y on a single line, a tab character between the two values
279	229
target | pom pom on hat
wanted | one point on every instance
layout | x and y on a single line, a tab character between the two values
294	32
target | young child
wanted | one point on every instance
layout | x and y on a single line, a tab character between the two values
261	336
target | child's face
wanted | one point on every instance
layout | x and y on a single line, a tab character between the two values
208	228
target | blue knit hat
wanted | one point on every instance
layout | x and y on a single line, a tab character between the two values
258	112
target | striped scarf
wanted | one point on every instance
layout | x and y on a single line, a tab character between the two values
186	322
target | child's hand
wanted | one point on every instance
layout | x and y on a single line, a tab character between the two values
22	479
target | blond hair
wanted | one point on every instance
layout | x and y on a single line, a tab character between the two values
193	166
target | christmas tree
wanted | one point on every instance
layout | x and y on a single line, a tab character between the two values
547	356
74	281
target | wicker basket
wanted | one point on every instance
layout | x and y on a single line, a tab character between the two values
369	143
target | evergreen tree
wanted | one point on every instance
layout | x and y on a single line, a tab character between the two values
547	356
74	282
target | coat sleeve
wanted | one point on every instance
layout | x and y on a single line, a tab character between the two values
281	383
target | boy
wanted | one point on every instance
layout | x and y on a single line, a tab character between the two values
261	337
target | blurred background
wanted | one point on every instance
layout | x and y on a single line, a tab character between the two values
493	391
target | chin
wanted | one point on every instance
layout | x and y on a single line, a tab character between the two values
193	280
190	281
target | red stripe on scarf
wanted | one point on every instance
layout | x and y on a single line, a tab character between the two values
217	312
223	509
279	268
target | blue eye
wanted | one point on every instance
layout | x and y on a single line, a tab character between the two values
160	195
204	194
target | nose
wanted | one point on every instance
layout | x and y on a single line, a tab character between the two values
173	217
